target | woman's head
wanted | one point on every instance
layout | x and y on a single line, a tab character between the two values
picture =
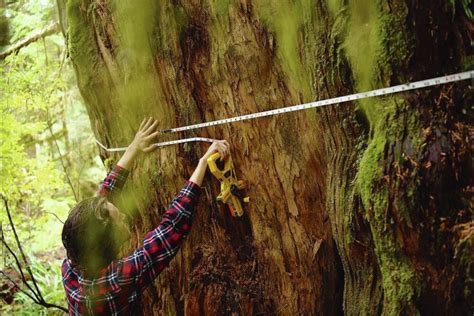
93	233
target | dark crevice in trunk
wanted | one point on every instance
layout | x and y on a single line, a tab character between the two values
339	289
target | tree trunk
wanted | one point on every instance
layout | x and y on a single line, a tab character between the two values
4	25
361	208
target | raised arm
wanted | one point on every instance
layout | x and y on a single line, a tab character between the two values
113	183
115	179
162	243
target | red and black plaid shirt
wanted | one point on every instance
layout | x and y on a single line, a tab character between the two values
117	290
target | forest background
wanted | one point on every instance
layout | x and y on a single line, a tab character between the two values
369	211
48	159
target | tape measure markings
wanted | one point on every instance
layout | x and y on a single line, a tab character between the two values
342	99
162	144
356	96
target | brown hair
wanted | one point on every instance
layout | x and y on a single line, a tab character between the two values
87	236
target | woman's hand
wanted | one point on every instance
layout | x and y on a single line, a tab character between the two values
143	142
220	146
145	136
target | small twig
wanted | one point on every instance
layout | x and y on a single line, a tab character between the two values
18	287
38	297
62	160
19	246
42	303
23	278
3	237
54	216
50	128
37	294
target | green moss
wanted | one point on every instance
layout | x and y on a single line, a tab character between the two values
466	260
398	278
370	169
109	163
147	33
92	76
81	43
375	42
135	22
334	6
362	43
399	281
220	8
400	284
285	20
468	62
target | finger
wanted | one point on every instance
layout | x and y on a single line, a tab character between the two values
221	152
152	127
147	124
142	124
219	149
213	146
150	148
151	136
225	152
224	147
152	121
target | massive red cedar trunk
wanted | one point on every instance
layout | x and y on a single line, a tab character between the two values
361	208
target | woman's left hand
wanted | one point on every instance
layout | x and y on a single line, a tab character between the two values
145	136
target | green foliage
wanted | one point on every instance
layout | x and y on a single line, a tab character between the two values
24	111
49	282
28	16
48	156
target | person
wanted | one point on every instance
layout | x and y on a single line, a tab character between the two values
95	279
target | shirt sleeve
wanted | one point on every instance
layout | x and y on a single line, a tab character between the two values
113	183
161	244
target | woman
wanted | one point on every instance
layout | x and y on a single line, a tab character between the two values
95	279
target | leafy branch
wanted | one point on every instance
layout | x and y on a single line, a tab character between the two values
48	30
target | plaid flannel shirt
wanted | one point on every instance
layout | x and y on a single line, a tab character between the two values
117	290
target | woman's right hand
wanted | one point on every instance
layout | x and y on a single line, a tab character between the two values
220	146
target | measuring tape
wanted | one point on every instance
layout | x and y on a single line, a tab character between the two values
305	106
162	144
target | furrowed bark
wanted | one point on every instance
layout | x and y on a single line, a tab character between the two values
350	209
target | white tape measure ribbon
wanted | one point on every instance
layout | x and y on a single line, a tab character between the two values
351	97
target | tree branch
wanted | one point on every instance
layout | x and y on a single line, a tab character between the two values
38	297
17	286
16	258
48	30
42	303
19	246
